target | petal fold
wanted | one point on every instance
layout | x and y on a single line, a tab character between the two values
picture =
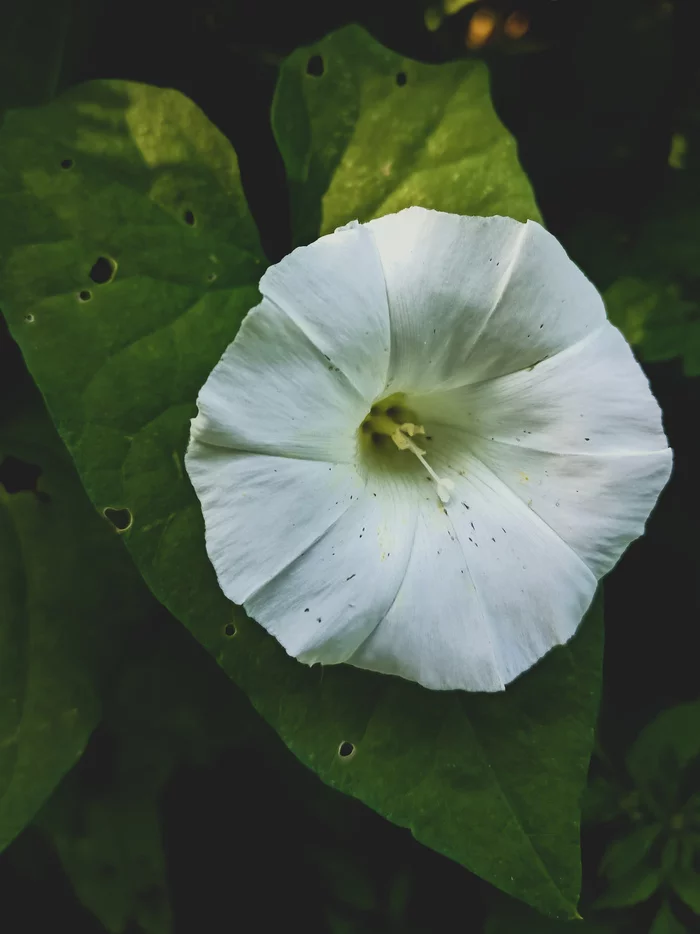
592	398
324	604
435	631
334	291
597	504
471	298
273	392
578	439
533	588
262	512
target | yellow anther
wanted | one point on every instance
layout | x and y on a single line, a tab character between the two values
410	429
404	443
400	440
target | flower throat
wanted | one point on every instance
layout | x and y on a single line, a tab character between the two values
392	420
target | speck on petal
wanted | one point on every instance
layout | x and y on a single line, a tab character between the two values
506	293
262	512
593	390
435	632
533	588
273	392
594	490
347	579
334	291
595	503
495	610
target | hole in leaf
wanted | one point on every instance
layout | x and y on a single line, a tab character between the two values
229	630
345	750
18	476
401	78
315	66
103	270
29	318
211	277
67	164
189	218
120	518
85	295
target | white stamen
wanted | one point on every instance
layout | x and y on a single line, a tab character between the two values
403	443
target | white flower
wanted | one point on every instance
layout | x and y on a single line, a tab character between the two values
423	449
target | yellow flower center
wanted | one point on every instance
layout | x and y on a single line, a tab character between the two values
391	420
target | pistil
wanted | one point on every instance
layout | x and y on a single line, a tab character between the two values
391	419
402	439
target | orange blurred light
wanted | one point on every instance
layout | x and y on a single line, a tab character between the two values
516	25
480	28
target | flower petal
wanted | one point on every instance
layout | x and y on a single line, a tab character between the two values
274	392
435	631
578	439
590	399
597	504
260	512
327	601
489	590
533	589
334	291
506	294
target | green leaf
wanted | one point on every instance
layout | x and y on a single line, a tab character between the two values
686	885
32	41
68	596
670	854
375	133
648	269
171	707
659	314
666	922
663	749
655	316
111	851
493	782
40	45
626	853
509	917
689	849
602	800
636	886
497	924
